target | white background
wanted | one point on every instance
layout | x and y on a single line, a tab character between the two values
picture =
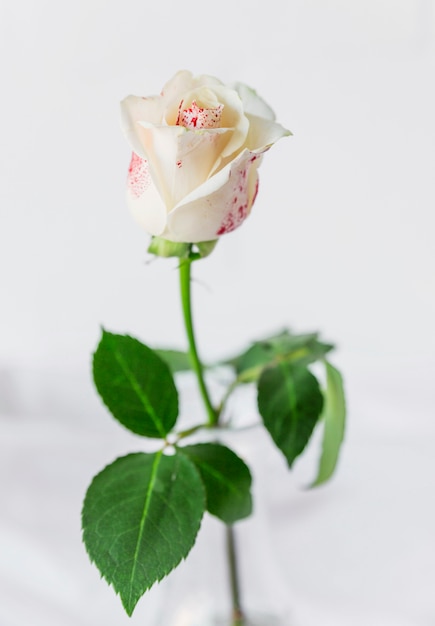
340	240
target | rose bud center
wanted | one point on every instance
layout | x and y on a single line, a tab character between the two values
203	113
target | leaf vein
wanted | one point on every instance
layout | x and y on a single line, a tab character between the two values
147	503
138	389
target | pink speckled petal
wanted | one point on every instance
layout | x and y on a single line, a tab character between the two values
197	117
219	206
180	159
143	199
135	109
216	96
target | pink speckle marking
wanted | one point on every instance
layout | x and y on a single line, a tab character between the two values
199	117
233	219
138	179
179	163
239	204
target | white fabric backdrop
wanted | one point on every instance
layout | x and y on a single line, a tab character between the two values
340	239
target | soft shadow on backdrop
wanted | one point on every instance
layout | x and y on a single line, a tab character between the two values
340	239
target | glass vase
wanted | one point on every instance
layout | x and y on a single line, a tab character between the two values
200	592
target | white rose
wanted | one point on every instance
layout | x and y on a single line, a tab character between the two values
196	150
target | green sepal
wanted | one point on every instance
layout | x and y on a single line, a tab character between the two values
205	248
140	518
164	248
226	478
136	385
290	403
334	419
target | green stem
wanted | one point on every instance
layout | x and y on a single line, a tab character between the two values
198	368
237	618
213	417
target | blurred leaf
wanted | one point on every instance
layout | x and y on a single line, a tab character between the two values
334	417
290	403
227	480
176	360
300	349
285	341
140	518
136	385
252	361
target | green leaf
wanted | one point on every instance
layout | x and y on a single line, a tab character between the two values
140	518
136	385
290	403
300	349
286	341
252	361
177	360
334	417
226	478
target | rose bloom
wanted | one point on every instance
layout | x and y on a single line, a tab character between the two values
196	150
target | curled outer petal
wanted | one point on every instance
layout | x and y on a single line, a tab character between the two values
219	205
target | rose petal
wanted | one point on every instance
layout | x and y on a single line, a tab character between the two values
263	133
252	103
143	199
180	159
196	117
219	205
135	109
213	95
183	82
233	117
